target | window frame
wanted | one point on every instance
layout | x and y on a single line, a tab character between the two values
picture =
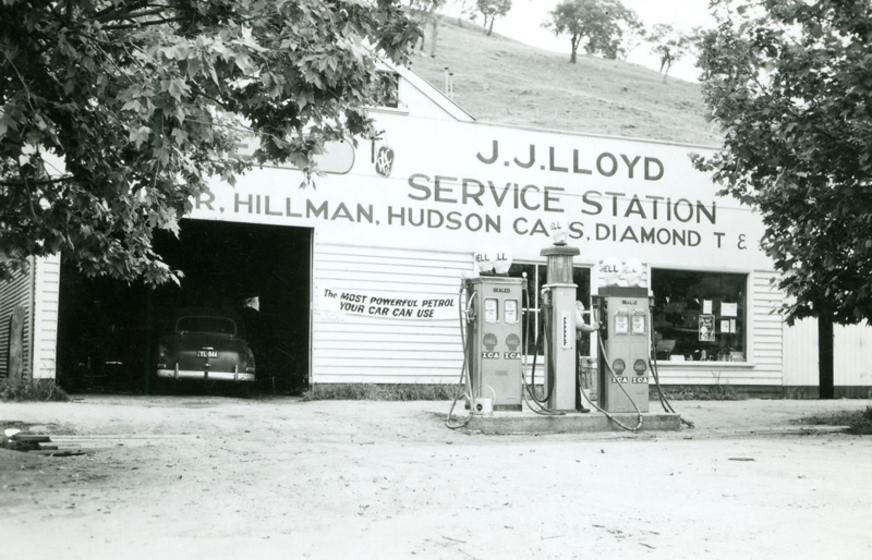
744	312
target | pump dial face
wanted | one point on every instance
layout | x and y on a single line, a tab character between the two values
638	324
622	324
511	311
491	310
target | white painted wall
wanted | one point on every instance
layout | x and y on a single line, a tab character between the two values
45	317
852	361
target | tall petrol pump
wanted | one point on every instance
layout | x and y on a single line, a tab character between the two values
622	306
558	304
493	326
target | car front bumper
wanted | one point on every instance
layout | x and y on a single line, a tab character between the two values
203	375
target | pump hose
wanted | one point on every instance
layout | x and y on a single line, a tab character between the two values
529	390
609	416
547	317
464	373
652	363
667	406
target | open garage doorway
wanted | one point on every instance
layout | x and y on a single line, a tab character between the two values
261	275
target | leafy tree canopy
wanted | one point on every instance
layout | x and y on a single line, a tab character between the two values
491	10
141	102
671	45
600	22
790	81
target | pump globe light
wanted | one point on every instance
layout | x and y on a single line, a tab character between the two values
484	258
559	232
610	271
503	259
633	271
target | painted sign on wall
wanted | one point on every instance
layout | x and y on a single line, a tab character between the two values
387	306
457	185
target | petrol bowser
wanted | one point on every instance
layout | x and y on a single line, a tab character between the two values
494	340
558	301
622	306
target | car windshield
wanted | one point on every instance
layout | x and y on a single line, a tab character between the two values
206	324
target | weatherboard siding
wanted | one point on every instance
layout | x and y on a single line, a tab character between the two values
45	317
767	325
348	348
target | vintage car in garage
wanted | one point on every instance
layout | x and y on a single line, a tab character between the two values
204	345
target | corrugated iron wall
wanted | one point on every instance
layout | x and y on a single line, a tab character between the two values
13	293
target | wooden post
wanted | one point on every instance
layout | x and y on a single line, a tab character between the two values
16	346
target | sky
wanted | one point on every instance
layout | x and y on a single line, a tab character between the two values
524	23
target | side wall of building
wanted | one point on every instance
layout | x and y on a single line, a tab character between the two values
17	293
852	361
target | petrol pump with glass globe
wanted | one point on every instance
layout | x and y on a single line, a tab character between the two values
623	360
558	304
493	332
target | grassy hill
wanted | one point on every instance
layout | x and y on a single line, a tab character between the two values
500	80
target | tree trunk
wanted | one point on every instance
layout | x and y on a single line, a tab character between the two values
572	57
825	355
490	27
434	26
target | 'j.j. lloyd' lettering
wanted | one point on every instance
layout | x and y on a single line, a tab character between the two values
606	164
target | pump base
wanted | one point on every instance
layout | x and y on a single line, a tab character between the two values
500	407
529	423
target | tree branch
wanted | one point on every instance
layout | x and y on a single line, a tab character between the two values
27	183
140	25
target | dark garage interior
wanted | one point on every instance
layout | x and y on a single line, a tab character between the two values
259	274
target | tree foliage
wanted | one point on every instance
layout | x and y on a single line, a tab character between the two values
600	22
671	45
491	10
791	83
141	102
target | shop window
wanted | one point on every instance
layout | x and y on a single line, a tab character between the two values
537	275
699	316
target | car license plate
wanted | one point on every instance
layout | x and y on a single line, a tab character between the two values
207	353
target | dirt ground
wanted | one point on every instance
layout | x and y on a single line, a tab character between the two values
211	477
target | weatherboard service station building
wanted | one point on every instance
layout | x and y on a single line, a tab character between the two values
361	270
